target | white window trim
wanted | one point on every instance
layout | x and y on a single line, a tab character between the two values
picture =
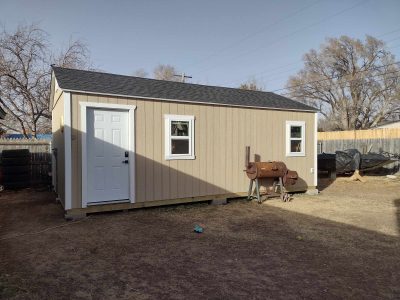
131	145
167	125
302	124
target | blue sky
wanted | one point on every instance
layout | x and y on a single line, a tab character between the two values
217	42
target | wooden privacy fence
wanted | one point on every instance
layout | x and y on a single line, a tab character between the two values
40	157
372	134
372	140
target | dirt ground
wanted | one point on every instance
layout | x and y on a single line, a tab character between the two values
343	243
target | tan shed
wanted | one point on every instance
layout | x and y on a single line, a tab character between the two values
124	142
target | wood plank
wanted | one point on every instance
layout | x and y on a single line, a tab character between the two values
202	146
166	181
228	147
173	109
140	151
195	171
124	206
149	152
158	151
210	155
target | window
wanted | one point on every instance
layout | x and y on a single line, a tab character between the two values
295	138
179	137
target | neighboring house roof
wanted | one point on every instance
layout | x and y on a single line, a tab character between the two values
39	136
2	113
121	85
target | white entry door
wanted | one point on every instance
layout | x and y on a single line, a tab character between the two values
107	155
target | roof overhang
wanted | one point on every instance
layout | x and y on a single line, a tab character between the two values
187	101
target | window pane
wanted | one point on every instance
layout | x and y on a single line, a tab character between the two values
295	131
179	146
180	128
295	146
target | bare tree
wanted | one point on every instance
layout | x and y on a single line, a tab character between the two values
140	73
354	84
252	85
165	72
25	72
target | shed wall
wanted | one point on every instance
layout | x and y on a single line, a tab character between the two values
221	134
58	143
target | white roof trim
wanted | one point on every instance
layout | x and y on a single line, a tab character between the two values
184	101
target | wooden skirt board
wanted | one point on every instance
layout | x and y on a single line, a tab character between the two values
123	206
77	212
107	155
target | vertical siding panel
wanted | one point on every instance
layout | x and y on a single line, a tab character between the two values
78	157
243	132
182	177
236	149
202	146
125	101
149	157
229	148
140	151
91	98
166	180
174	163
186	165
279	131
241	145
157	151
112	100
222	149
196	178
248	133
273	135
130	101
253	122
75	135
210	155
218	173
263	136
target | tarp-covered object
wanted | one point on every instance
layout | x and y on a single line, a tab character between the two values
349	160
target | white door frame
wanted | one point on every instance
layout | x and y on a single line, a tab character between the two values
131	145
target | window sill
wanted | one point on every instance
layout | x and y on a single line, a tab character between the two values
295	154
180	157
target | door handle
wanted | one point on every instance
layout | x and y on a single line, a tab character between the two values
125	161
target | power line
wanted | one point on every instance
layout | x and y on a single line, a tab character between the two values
249	36
336	77
299	61
390	32
389	78
283	72
292	33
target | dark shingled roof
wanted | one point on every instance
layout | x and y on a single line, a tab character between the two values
112	84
